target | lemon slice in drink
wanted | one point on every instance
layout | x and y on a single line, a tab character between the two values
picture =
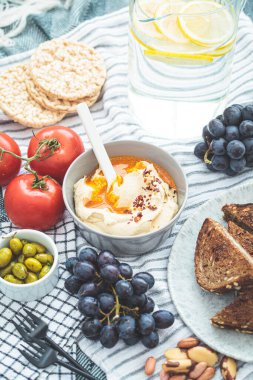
168	25
206	22
144	11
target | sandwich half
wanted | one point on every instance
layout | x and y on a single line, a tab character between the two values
242	236
242	215
238	315
221	263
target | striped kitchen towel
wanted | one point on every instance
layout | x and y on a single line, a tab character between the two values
109	35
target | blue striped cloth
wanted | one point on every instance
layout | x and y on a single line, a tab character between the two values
114	122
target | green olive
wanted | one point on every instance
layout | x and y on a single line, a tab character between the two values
42	257
11	278
33	264
29	250
16	246
44	271
31	277
6	270
19	271
21	258
5	257
39	247
50	259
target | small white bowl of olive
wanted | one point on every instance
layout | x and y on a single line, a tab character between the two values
28	265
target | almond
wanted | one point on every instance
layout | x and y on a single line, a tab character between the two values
203	354
178	377
207	374
164	375
228	368
150	365
198	370
188	342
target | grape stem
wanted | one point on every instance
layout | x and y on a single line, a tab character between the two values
206	159
50	146
117	305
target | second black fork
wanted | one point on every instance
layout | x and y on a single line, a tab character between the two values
31	326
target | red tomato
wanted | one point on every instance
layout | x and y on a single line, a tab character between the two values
9	165
29	207
57	164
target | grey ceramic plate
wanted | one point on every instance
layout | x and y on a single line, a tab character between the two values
195	306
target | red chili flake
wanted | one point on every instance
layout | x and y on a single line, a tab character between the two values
127	212
138	202
138	217
152	208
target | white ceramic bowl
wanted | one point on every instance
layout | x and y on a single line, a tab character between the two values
132	245
40	288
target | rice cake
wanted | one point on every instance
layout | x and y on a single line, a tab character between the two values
55	104
18	105
67	70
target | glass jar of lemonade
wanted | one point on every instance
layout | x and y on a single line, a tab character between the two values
180	60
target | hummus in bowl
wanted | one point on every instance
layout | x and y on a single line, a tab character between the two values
142	199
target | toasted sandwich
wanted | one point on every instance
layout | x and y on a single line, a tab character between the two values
242	215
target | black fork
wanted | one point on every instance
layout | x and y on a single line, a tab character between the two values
31	326
41	355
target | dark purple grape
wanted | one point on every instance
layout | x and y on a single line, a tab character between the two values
73	284
247	112
216	128
246	128
221	118
220	163
126	327
146	324
248	145
163	319
110	273
232	133
109	336
210	167
124	288
88	254
140	286
147	277
105	258
104	287
236	149
249	160
200	150
88	306
238	165
148	307
132	341
238	106
230	172
84	270
151	340
207	137
70	263
106	302
232	116
125	270
91	328
88	289
218	146
135	301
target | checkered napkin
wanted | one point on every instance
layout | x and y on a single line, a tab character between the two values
109	35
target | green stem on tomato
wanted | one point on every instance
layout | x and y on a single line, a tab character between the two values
50	145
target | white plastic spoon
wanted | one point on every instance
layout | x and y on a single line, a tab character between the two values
97	144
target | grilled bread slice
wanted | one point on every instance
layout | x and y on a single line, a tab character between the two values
240	214
238	315
242	236
221	263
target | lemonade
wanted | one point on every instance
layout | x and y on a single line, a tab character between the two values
180	60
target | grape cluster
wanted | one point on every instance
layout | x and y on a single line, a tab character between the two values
228	141
114	301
